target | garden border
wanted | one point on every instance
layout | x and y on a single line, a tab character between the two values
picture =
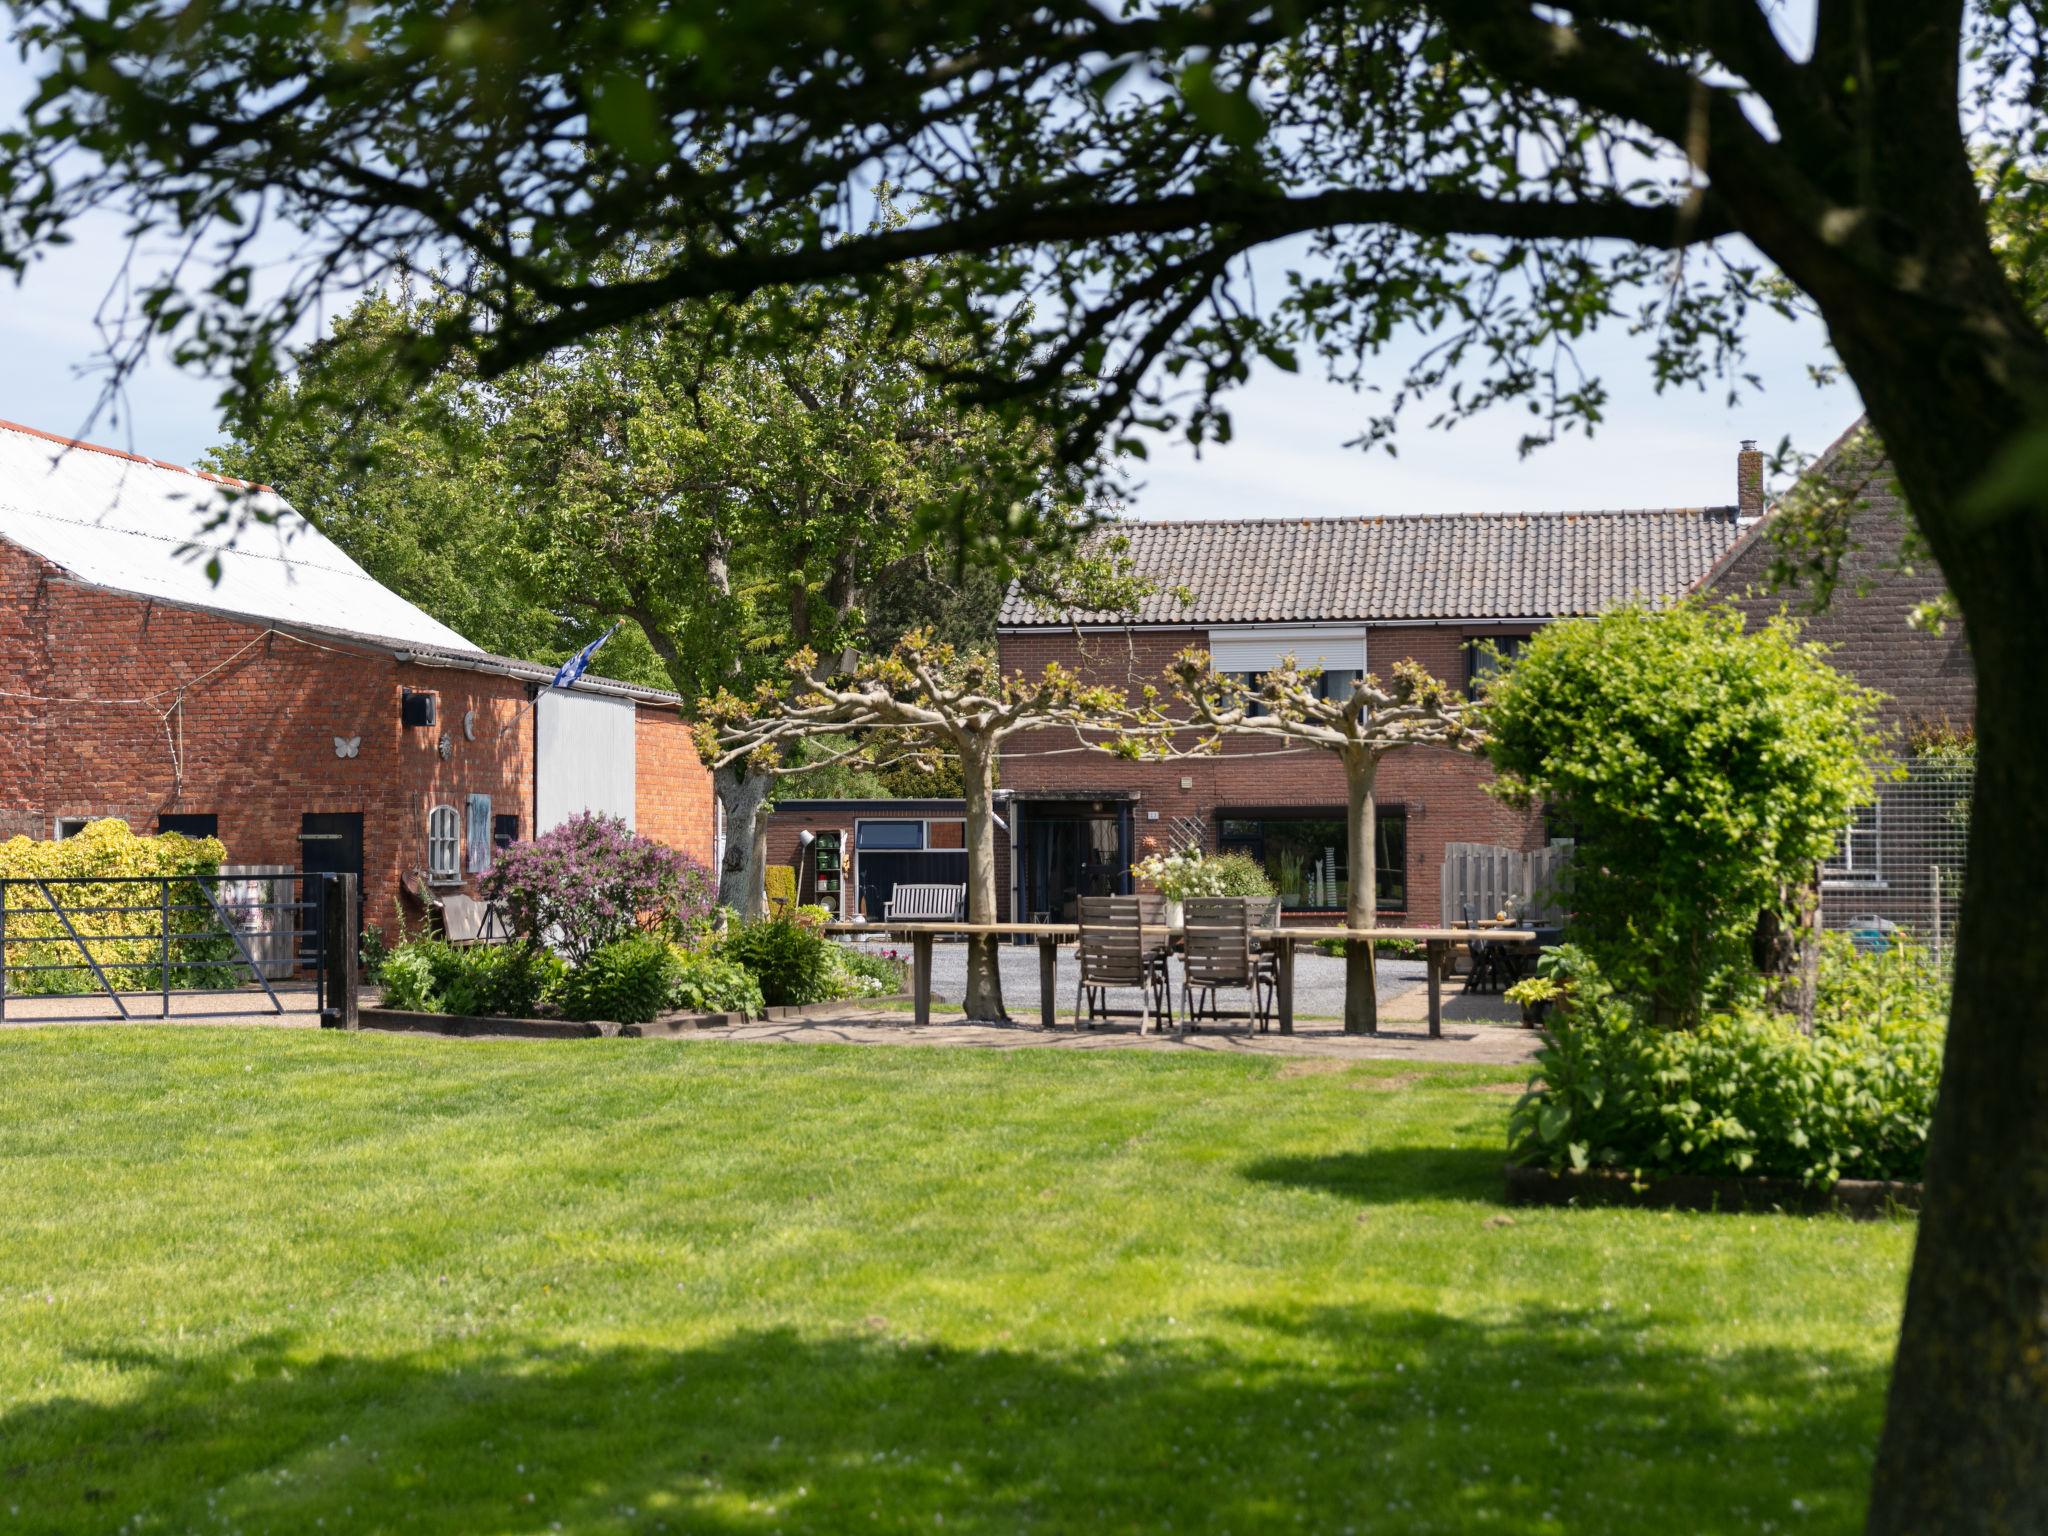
668	1025
1863	1199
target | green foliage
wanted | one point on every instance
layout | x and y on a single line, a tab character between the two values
709	983
202	951
372	949
1707	768
628	981
794	963
513	981
1239	874
778	882
410	980
1746	1092
870	972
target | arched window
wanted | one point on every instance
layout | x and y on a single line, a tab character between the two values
444	844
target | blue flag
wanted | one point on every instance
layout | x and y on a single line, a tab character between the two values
579	664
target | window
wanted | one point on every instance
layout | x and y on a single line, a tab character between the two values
1306	857
71	826
444	845
1857	860
504	831
888	834
1480	663
190	823
1334	683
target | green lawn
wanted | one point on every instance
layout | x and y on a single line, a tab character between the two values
264	1281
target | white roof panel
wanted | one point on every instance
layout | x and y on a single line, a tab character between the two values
138	525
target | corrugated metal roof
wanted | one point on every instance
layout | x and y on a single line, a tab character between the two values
140	526
1459	565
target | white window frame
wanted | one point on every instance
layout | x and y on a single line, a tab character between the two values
77	824
444	832
1857	864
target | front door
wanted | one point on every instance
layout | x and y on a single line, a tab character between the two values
330	843
1070	855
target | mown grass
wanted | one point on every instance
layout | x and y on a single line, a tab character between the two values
268	1281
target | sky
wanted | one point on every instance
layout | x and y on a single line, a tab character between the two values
1287	457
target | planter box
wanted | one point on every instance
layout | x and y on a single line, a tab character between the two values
1865	1199
460	1024
668	1025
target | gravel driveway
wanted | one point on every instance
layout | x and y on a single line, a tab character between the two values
1318	978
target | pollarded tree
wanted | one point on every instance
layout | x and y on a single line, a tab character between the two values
928	697
1361	725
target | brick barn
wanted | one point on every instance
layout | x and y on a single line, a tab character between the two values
294	707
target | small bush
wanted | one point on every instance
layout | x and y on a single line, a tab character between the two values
1746	1092
409	979
869	972
778	886
628	981
1239	874
593	880
794	963
708	984
513	981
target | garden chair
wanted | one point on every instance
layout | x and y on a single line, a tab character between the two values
1120	949
1220	953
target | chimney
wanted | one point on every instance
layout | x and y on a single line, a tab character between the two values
1749	482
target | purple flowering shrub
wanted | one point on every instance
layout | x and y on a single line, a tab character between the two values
593	880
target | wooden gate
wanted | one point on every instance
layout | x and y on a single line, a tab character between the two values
1483	879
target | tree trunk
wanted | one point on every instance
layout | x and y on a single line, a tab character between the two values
1361	907
1966	1425
1785	948
984	975
740	795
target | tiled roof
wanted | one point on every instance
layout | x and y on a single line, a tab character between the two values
1485	565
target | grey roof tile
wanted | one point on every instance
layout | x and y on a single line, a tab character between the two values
1485	565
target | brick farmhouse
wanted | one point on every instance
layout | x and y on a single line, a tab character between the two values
294	707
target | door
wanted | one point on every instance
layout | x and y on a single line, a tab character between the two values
1070	856
330	843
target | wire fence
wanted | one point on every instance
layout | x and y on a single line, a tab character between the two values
1900	864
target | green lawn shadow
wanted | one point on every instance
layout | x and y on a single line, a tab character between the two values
1383	1418
1390	1175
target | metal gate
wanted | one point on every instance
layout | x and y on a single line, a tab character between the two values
83	947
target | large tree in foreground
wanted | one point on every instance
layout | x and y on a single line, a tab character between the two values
1497	176
1361	720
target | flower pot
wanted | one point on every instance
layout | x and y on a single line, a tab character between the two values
1173	913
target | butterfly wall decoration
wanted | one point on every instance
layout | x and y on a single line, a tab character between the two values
347	746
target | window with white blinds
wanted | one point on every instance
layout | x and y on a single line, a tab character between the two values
1337	650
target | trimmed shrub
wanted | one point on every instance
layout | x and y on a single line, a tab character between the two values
778	885
709	984
593	880
1746	1092
1239	874
513	981
628	981
203	952
794	963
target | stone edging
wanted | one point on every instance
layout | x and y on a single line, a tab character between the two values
667	1026
1864	1199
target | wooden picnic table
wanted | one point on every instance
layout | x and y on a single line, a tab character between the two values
1438	942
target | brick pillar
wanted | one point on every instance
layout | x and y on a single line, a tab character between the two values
1749	481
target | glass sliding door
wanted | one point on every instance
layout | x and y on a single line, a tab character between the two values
1069	854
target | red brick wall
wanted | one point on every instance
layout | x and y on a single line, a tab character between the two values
1443	792
1925	677
673	802
198	713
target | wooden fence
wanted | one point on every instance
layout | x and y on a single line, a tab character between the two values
1481	879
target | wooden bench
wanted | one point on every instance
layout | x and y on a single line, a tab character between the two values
926	904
